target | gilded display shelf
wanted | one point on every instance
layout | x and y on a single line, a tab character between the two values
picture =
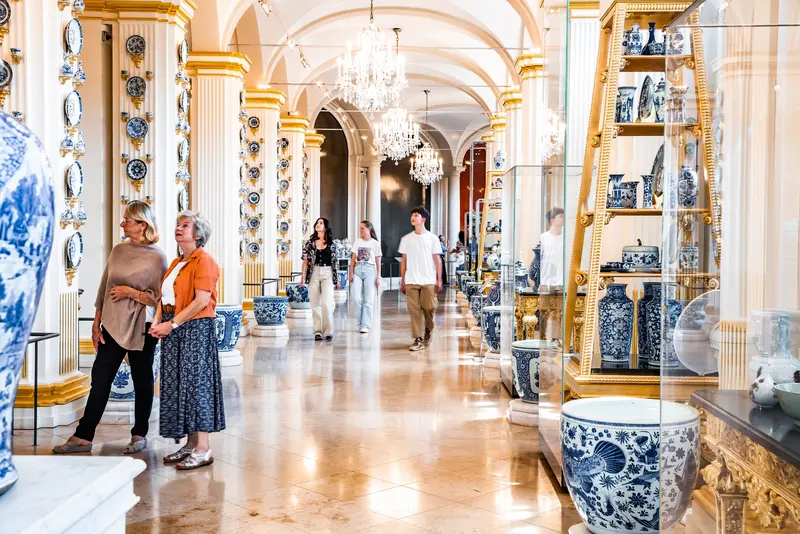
601	137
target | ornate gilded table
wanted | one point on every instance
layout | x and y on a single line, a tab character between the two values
754	469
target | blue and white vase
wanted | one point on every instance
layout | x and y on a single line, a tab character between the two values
27	218
687	188
689	258
122	386
525	367
297	294
476	306
535	269
464	281
270	311
630	464
520	277
471	289
499	161
343	279
647	191
491	326
614	199
228	326
643	335
634	41
493	296
625	103
658	357
659	99
628	194
616	324
653	47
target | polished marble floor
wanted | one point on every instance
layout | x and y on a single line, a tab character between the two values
357	435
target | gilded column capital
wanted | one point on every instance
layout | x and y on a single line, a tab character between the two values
498	122
178	12
314	139
529	66
487	138
584	9
294	123
231	64
270	99
511	99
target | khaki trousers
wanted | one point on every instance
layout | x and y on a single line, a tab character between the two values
421	303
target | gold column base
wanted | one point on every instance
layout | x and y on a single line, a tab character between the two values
52	394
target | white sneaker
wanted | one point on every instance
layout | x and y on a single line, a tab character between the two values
364	330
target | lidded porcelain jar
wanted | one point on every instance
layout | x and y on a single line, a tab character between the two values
640	255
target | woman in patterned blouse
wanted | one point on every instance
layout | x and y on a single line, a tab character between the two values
320	271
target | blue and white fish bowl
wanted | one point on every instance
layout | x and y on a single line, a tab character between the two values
27	220
270	311
122	386
525	368
471	289
493	295
630	464
491	326
298	296
228	326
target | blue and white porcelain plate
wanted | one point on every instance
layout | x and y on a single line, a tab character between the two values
75	250
283	205
5	12
137	128
243	134
646	98
136	170
254	173
253	122
254	223
135	86
283	186
253	249
183	101
6	74
283	247
253	147
183	199
183	52
283	143
242	212
242	98
253	197
283	163
73	37
75	179
183	152
73	109
135	45
283	227
242	172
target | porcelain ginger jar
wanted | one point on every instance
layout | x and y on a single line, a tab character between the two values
228	326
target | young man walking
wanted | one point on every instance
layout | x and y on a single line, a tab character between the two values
420	276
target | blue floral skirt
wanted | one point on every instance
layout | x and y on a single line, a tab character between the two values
191	383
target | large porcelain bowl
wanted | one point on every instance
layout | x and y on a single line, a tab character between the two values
612	448
471	289
491	326
270	311
476	305
122	386
228	325
298	296
525	368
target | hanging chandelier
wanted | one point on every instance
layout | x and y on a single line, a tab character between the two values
552	137
396	135
426	165
374	78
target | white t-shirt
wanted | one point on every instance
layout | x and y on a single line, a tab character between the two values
167	289
419	250
366	251
552	273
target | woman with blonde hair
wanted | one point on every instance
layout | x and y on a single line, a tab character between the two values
191	382
124	310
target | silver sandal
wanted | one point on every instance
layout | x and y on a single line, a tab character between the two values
71	448
195	460
135	446
178	455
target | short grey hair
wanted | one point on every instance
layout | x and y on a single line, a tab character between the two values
202	228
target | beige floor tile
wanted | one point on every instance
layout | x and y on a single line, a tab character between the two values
515	503
282	502
396	527
335	518
559	520
522	527
353	458
457	519
509	471
160	496
401	502
407	471
347	486
219	517
301	471
456	486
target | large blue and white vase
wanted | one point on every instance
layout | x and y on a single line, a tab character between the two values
653	47
644	346
270	311
471	289
630	464
520	277
26	238
659	100
687	188
658	356
476	304
647	191
122	386
525	368
343	279
491	326
228	326
634	41
614	198
493	296
297	294
625	103
615	321
535	269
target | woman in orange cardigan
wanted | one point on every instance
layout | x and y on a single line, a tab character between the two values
191	383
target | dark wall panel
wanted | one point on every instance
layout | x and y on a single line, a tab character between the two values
332	175
399	193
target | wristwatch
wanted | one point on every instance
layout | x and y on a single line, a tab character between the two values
174	325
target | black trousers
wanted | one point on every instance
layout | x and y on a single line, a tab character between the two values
106	364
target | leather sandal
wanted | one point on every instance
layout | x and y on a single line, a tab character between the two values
195	460
178	455
71	448
135	445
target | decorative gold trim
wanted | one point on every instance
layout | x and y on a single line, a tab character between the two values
85	346
59	393
314	140
529	65
487	138
271	99
218	64
178	12
498	122
70	274
294	124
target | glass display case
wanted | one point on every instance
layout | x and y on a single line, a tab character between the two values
731	277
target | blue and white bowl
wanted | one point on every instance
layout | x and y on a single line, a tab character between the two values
27	220
462	283
525	368
491	326
122	386
270	311
630	464
228	326
493	296
298	296
476	304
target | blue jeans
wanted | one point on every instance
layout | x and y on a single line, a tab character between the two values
363	290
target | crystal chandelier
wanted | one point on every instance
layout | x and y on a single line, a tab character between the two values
374	77
396	135
426	166
552	136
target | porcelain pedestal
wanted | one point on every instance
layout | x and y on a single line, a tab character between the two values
277	330
492	359
340	297
119	412
522	413
70	494
230	358
580	528
300	317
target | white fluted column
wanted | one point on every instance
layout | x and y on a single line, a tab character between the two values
511	101
294	128
454	205
498	123
314	143
374	192
584	39
217	84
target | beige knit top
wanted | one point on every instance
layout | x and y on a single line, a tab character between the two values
141	267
